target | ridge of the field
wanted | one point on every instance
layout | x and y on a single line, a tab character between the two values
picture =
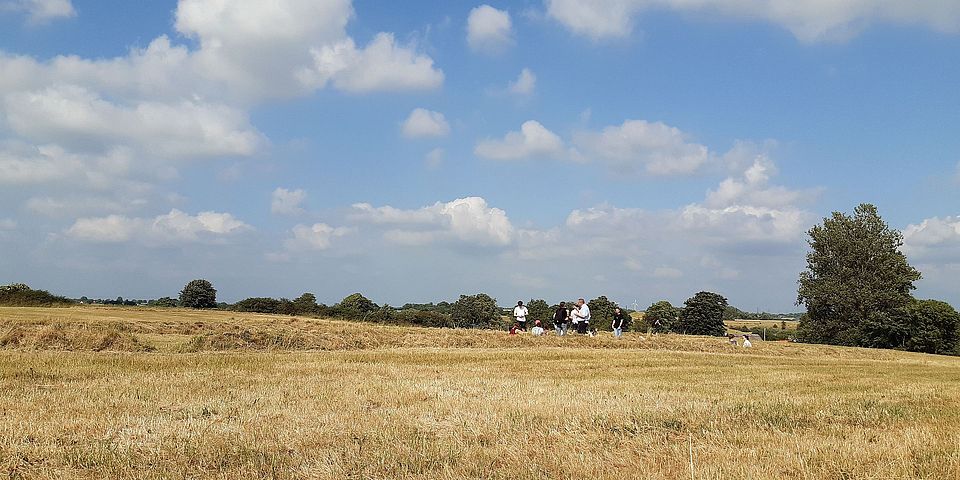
178	330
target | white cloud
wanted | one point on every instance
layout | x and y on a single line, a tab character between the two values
809	21
524	84
533	140
381	66
172	228
7	224
753	189
653	147
934	240
287	202
489	30
464	220
41	11
713	242
76	117
257	48
318	236
425	123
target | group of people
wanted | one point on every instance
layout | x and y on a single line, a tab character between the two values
577	316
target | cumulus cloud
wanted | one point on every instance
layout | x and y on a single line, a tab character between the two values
933	240
489	30
425	123
383	65
172	228
652	147
808	21
468	221
533	140
76	117
524	84
711	241
287	202
318	236
128	123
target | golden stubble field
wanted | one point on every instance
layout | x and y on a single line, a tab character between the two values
183	394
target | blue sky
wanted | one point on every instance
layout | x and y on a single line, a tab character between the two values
414	151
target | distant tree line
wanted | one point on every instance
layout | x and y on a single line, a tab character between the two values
856	290
734	313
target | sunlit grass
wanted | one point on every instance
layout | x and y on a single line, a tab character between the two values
431	404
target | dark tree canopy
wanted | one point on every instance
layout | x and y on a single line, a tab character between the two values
162	302
478	310
305	304
538	309
927	326
601	312
20	295
660	317
258	305
702	314
198	294
856	279
357	303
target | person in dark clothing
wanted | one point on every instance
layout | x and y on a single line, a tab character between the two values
619	322
560	319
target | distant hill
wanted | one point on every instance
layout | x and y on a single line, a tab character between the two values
734	313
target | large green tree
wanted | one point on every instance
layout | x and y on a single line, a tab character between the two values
355	305
476	311
660	317
702	314
856	279
601	312
928	326
305	304
538	309
198	294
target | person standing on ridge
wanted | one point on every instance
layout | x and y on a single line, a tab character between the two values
560	319
520	313
583	314
619	321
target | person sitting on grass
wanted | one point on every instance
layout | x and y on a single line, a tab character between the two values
732	338
514	329
746	341
537	329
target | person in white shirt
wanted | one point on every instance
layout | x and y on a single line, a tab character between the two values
746	341
520	313
537	330
583	313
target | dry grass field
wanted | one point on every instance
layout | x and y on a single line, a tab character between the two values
135	393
